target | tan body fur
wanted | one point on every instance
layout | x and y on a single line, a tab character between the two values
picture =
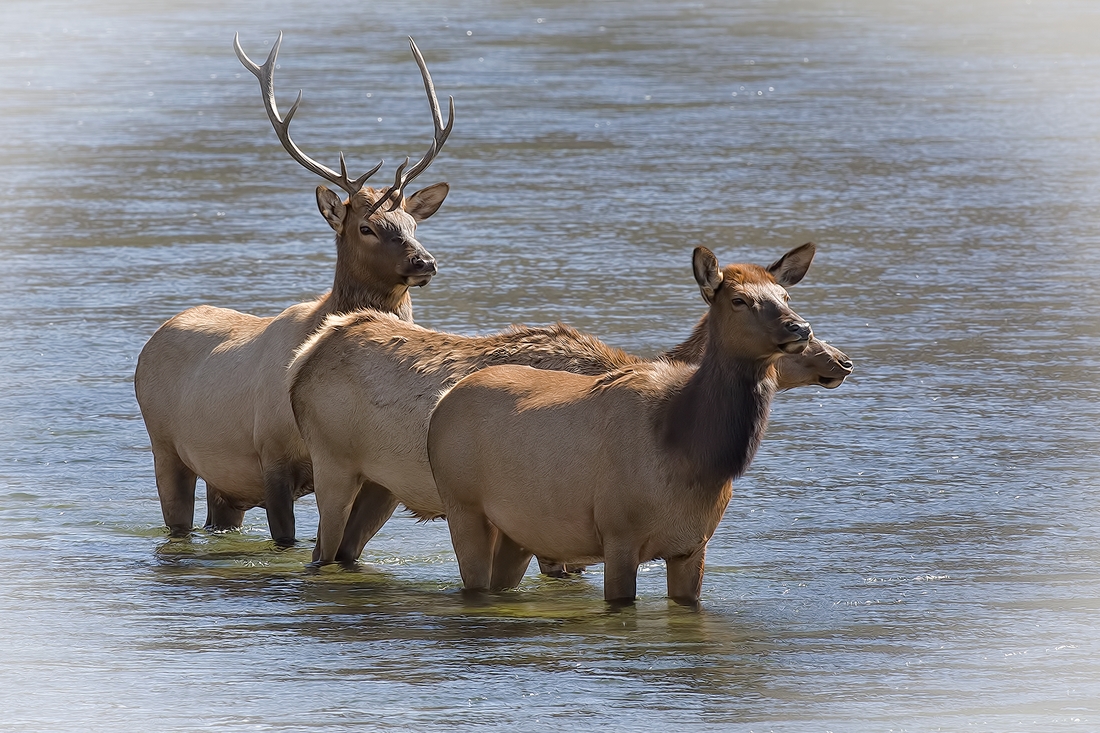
630	466
364	386
211	381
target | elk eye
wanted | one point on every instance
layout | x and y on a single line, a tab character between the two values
365	231
739	302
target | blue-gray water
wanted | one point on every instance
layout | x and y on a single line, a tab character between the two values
917	550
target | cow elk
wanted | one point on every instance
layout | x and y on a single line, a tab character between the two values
363	388
630	466
211	381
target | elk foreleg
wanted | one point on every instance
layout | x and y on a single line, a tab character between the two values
620	578
510	563
336	489
220	514
685	577
373	506
474	539
176	488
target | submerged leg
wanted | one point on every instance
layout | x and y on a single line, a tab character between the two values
176	487
474	540
220	514
510	563
685	577
373	506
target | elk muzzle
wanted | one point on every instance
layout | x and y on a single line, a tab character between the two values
418	269
799	334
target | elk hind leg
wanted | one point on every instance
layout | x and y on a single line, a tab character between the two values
373	506
220	514
176	488
685	577
279	484
510	563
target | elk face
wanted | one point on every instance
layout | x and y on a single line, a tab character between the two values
379	247
749	303
380	244
821	364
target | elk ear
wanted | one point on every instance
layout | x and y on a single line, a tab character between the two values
707	273
426	201
332	208
789	269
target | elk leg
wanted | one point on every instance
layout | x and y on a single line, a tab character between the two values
620	576
279	487
373	506
176	488
474	539
220	514
336	490
510	563
685	577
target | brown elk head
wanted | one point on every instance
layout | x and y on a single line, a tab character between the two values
377	254
748	304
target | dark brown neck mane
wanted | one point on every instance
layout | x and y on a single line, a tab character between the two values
717	420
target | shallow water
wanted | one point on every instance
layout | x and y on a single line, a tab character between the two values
917	550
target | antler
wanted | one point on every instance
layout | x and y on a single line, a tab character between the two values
266	75
402	179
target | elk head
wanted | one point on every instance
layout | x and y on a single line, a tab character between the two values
376	247
748	303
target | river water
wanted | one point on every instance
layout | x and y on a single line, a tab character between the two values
916	550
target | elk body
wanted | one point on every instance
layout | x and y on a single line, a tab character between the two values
633	465
211	381
363	389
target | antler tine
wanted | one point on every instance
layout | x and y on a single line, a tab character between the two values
441	132
397	186
266	75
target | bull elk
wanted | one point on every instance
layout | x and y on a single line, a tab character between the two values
363	388
630	466
210	381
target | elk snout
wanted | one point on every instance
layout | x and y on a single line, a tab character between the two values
801	333
419	269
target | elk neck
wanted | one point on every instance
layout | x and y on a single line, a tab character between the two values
353	289
716	421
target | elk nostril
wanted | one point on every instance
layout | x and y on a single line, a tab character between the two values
847	364
801	328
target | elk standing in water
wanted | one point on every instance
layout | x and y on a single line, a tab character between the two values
630	466
363	388
211	381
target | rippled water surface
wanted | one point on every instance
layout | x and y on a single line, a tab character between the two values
917	550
